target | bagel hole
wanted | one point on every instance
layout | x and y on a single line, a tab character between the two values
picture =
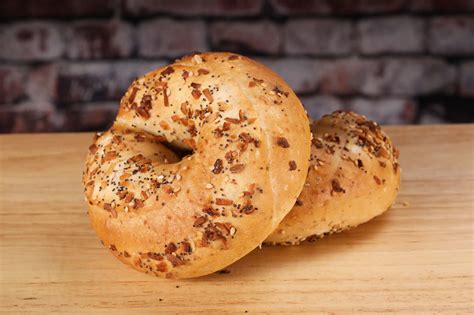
178	150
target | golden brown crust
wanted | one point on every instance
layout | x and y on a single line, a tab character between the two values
354	176
186	218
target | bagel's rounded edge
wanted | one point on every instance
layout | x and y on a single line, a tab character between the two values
354	176
284	148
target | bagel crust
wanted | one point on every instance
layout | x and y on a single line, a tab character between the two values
247	140
354	176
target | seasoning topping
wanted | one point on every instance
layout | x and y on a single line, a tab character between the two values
196	94
154	256
377	180
232	120
93	148
208	95
248	209
185	75
336	186
238	168
131	98
163	124
174	260
200	221
144	108
170	248
129	197
217	166
186	247
211	211
224	202
138	204
282	142
292	165
167	71
109	156
197	59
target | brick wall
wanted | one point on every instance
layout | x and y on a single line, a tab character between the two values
65	64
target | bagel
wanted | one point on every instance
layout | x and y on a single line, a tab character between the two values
205	158
354	176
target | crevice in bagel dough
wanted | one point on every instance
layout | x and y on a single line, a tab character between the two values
275	222
180	152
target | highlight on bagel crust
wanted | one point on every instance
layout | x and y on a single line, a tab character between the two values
203	161
354	176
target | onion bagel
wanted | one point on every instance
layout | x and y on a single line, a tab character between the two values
205	158
354	176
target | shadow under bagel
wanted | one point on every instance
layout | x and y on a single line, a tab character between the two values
270	259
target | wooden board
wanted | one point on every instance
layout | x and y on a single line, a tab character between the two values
418	257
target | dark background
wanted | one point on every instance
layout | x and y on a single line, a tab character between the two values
65	64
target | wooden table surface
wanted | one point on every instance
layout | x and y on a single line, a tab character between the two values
418	257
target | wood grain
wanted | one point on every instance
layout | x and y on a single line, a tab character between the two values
417	258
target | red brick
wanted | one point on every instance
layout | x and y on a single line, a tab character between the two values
391	35
442	6
466	86
261	37
303	75
385	111
319	105
31	41
27	117
41	84
99	81
318	37
339	77
387	76
347	76
12	83
410	76
321	7
452	35
300	7
90	116
366	6
171	38
93	39
55	8
84	82
193	7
